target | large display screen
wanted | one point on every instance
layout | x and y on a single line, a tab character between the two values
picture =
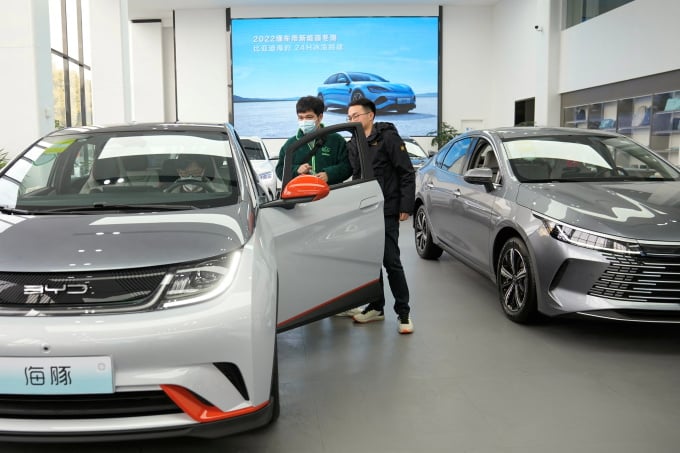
394	61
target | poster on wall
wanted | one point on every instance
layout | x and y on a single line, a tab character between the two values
393	61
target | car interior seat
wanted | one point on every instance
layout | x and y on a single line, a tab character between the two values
138	172
490	161
105	172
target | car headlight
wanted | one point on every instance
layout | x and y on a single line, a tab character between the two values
266	175
587	239
200	282
377	89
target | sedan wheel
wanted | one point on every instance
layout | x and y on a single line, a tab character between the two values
516	283
424	245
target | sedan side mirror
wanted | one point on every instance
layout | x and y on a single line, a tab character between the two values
305	188
480	176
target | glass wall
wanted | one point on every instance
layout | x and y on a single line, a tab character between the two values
71	72
578	11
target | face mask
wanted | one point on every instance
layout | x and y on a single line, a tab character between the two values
307	126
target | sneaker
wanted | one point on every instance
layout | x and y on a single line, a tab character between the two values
369	315
405	324
350	313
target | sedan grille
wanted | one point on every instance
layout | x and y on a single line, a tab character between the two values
653	277
121	404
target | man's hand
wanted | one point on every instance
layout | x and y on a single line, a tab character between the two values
323	176
304	169
403	216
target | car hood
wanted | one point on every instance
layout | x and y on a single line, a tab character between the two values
262	166
640	210
109	241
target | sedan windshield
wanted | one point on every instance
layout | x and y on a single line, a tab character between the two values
131	171
575	158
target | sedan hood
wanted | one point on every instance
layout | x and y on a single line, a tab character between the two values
55	243
640	210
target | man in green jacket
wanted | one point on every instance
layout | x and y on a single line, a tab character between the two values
330	161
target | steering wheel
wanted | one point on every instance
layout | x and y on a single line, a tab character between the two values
194	182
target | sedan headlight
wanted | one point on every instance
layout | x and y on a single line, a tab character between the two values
587	239
200	282
377	89
266	175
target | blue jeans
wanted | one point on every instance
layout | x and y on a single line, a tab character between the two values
395	272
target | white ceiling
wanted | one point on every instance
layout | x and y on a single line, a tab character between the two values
162	9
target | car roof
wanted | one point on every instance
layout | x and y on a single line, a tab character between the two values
533	131
143	127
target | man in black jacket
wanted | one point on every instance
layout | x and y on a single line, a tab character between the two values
393	169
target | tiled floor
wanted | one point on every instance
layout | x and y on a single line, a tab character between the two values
467	381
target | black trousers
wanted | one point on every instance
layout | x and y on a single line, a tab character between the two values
395	272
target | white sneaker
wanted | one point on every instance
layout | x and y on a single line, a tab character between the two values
405	324
369	315
350	313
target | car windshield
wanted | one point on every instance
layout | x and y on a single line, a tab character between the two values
576	158
365	77
122	171
414	150
253	149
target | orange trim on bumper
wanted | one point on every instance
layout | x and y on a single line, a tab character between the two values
199	411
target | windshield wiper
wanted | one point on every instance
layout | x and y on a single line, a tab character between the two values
6	210
117	207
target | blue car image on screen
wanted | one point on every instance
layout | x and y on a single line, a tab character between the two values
343	87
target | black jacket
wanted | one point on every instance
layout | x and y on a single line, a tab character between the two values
391	166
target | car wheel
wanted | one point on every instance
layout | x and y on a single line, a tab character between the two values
274	392
357	95
516	282
424	246
325	107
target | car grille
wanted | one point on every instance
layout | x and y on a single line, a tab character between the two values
122	404
652	277
126	290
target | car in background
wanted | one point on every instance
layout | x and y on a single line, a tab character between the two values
139	299
565	221
341	88
257	152
417	154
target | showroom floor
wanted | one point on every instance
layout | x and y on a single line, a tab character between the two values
467	381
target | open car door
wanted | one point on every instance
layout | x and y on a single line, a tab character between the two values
328	242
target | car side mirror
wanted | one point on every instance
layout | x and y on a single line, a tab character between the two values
305	188
481	175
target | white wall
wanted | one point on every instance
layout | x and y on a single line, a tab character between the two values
201	48
635	40
26	75
146	51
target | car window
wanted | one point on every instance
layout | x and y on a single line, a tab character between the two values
484	156
454	161
341	78
331	79
441	154
253	149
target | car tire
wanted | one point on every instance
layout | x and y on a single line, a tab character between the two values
274	391
424	246
325	107
357	95
516	282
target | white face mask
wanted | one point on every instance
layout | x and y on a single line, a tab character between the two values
307	126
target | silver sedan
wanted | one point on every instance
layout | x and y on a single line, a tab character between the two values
564	221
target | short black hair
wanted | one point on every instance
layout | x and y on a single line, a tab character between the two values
307	103
364	103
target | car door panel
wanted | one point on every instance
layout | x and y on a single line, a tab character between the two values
328	252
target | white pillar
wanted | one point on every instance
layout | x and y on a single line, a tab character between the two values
111	98
26	100
146	39
549	23
202	64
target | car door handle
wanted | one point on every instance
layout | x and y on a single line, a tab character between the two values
456	193
429	185
369	203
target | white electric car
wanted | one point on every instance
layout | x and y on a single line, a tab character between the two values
144	275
